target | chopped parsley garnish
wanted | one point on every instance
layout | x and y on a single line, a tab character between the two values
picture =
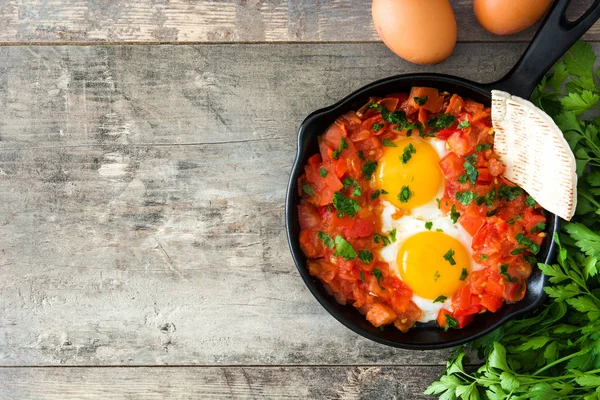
326	239
440	299
449	256
464	274
323	172
377	193
393	235
405	194
428	225
454	215
484	257
488	199
482	147
343	145
308	190
388	143
438	201
345	205
504	272
362	276
465	197
538	228
408	152
491	213
421	128
439	230
376	127
450	322
352	183
396	117
530	259
530	201
471	172
344	249
369	169
420	100
441	121
378	237
464	124
509	192
378	275
525	241
436	276
512	220
365	256
361	155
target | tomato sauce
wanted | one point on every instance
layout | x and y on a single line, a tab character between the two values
340	209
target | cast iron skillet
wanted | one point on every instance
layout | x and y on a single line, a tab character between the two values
553	39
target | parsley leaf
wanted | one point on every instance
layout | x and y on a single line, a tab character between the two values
454	215
428	225
524	240
504	272
308	190
365	256
464	125
378	237
465	197
375	195
388	143
420	100
408	152
538	228
440	299
405	194
441	121
464	274
369	169
450	322
342	146
344	249
378	275
529	201
449	256
509	192
352	183
326	239
362	276
482	147
345	205
376	127
393	235
471	172
322	172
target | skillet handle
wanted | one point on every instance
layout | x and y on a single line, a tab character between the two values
555	36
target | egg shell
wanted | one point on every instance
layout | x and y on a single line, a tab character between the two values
420	31
506	17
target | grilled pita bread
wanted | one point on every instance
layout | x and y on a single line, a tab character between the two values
536	155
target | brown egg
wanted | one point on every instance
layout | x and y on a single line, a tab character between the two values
505	17
420	31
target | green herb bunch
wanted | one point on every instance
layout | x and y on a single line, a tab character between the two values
553	352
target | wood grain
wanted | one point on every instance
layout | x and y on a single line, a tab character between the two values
216	383
181	21
142	192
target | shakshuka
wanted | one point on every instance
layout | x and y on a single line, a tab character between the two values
405	215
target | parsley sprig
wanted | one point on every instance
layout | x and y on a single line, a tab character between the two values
554	351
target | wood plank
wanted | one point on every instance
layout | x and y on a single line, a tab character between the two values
181	21
217	383
142	201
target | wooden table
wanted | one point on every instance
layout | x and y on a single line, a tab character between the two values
143	250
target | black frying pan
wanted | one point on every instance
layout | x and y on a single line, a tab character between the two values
553	39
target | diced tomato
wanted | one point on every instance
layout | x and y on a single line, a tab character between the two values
471	220
361	228
446	133
380	314
515	291
461	143
433	103
308	216
484	176
490	302
452	166
496	167
455	105
390	103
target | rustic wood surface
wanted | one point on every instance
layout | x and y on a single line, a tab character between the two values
143	252
153	383
88	21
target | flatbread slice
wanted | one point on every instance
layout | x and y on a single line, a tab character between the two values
536	155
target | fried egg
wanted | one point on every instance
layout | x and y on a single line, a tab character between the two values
430	253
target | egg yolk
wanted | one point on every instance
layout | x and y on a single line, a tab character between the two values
409	173
432	263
